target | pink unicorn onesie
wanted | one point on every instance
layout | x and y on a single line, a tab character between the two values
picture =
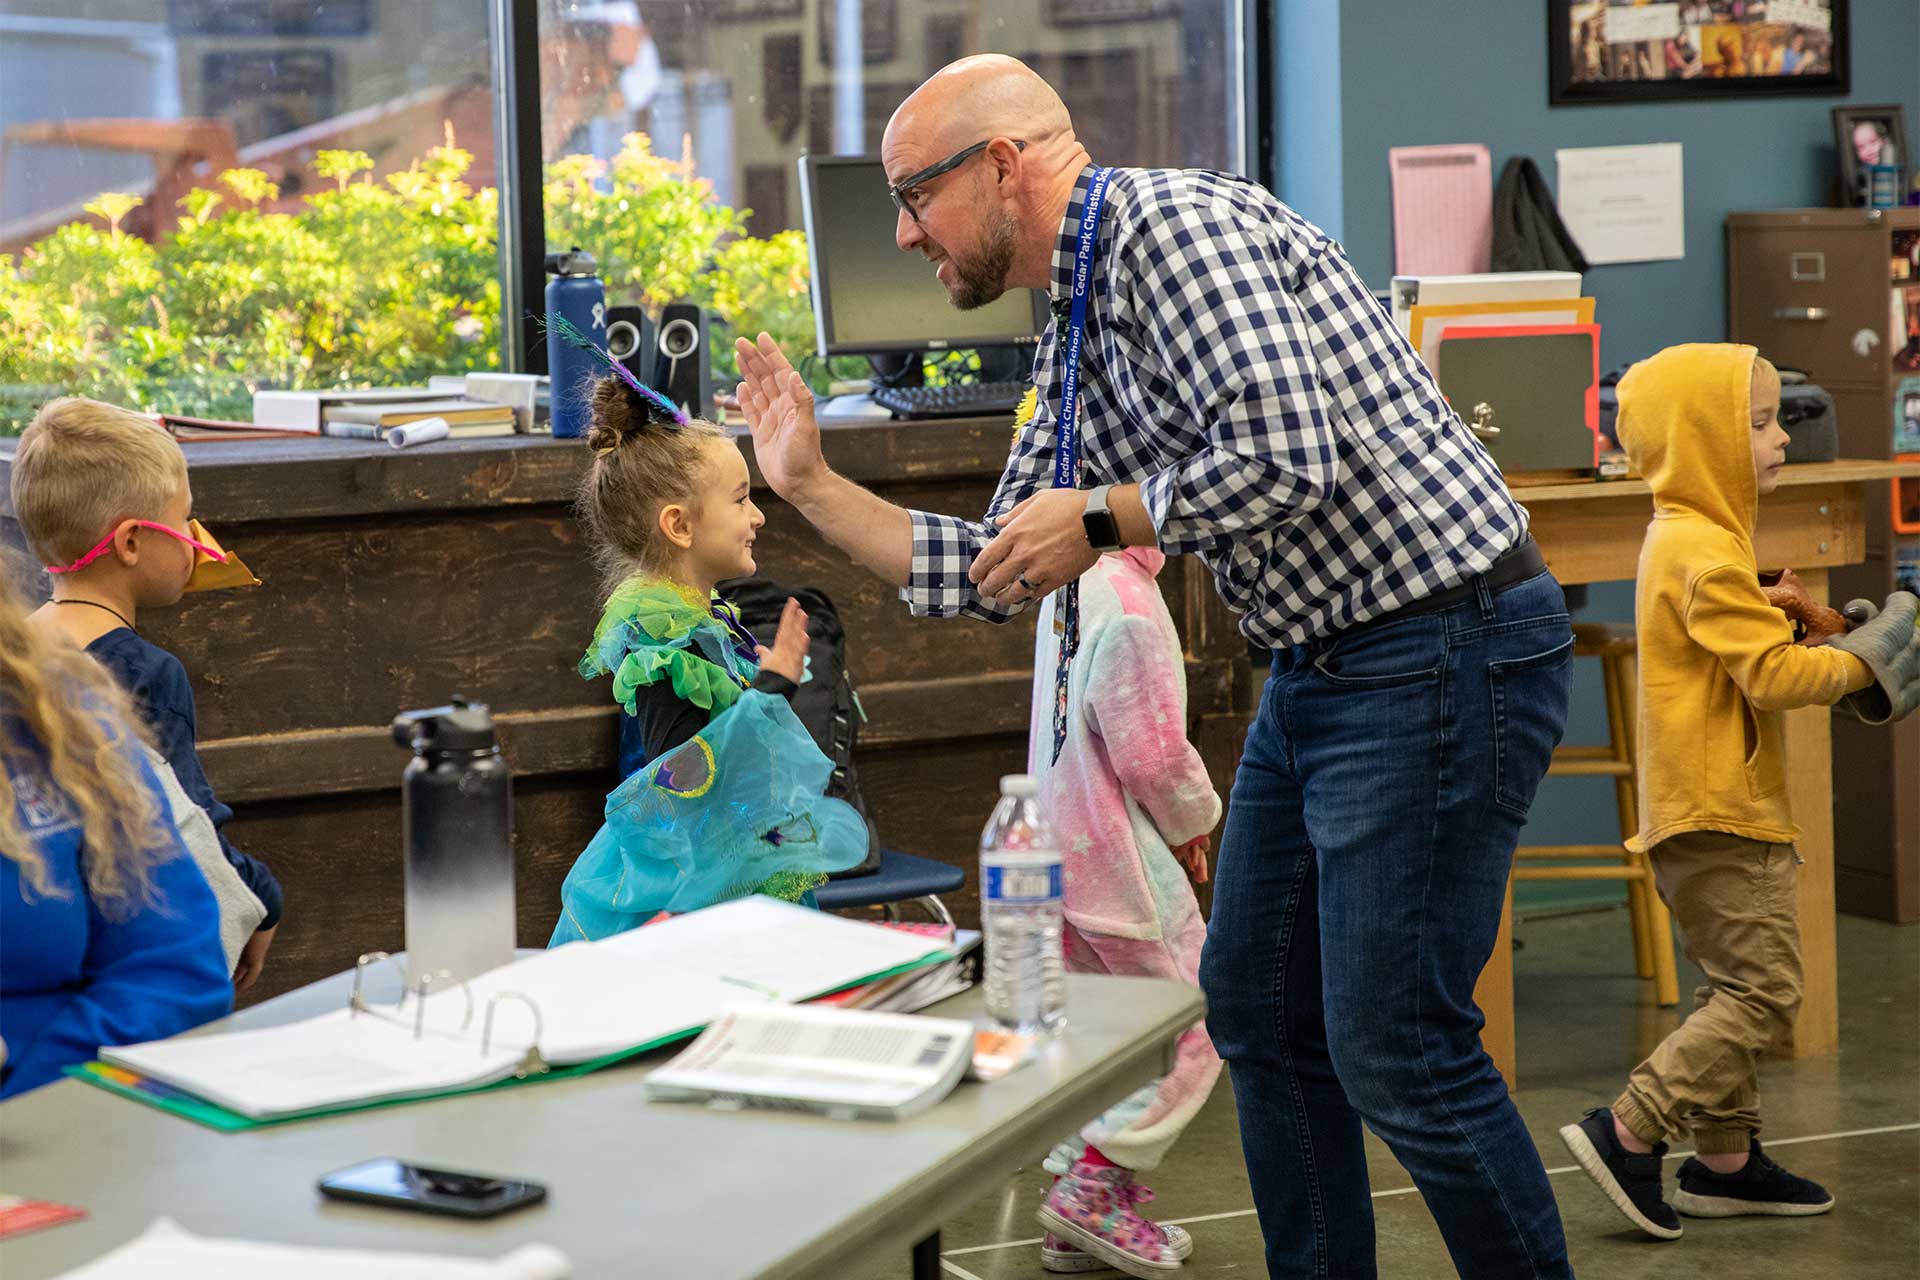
1126	792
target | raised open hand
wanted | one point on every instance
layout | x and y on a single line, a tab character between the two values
788	656
778	407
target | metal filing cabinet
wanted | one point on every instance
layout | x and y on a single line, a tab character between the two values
1818	289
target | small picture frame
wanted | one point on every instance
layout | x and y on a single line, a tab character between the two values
1906	416
1866	136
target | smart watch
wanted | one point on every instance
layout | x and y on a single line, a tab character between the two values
1103	531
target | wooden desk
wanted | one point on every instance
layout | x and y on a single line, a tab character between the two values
1590	531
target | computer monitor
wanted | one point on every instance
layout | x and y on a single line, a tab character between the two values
871	299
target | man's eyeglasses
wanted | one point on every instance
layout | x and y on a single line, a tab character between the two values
900	189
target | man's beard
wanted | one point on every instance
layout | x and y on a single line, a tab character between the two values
983	278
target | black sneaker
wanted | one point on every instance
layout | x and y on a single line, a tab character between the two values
1761	1186
1631	1180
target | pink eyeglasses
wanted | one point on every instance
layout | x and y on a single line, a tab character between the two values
100	548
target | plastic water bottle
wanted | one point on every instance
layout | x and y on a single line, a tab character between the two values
1020	909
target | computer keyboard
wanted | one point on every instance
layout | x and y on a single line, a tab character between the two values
966	400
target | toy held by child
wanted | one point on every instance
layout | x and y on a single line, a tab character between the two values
102	497
723	789
1719	667
1132	805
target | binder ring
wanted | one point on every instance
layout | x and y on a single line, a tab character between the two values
532	1063
357	1002
486	1027
423	989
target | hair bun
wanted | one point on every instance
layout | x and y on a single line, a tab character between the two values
615	418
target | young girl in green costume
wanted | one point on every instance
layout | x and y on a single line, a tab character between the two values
723	790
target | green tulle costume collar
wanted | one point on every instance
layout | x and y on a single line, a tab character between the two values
654	629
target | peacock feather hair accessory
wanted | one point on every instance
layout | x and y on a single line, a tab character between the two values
659	409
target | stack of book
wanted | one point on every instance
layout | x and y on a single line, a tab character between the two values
370	414
464	418
915	989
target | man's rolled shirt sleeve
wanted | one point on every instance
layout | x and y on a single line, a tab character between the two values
944	547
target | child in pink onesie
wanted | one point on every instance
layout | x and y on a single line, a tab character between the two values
1130	802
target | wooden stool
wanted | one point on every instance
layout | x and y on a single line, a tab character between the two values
1615	646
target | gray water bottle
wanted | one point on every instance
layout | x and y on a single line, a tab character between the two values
456	816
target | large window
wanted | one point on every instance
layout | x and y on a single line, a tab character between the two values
716	99
199	197
203	197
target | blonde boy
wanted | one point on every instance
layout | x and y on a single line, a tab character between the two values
102	498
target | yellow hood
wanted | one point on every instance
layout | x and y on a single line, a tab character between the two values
1684	421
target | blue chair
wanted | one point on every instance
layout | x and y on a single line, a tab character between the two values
901	878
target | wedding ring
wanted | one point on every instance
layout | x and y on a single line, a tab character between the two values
1030	586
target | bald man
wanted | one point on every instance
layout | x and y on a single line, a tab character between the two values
1240	395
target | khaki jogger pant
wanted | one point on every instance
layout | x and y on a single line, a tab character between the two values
1735	902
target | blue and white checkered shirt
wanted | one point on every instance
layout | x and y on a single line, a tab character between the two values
1278	424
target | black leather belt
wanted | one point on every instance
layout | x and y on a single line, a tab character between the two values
1517	564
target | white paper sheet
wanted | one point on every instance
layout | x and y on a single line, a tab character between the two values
784	952
328	1061
166	1251
1624	204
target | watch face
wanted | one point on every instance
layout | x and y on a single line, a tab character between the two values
1103	532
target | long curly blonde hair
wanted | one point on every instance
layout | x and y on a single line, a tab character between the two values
56	696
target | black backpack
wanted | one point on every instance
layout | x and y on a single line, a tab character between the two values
826	703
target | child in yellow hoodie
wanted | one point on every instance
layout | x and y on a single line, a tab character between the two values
1718	668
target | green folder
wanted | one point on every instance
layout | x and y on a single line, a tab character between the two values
154	1093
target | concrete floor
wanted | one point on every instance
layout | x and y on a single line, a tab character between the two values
1850	1122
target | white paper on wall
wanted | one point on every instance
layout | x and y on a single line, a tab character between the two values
1624	204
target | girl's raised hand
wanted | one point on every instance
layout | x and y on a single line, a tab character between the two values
788	656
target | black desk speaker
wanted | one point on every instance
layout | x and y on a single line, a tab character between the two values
683	365
630	340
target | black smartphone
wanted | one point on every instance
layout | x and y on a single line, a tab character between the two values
409	1186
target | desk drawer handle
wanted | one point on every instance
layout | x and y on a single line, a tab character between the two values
1481	423
1799	313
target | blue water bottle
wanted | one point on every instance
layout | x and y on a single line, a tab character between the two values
576	293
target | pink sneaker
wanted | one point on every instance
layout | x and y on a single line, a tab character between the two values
1091	1211
1061	1258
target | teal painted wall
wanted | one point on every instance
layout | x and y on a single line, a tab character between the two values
1357	77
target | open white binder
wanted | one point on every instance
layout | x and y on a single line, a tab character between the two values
571	1005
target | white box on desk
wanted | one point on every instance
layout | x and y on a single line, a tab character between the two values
306	410
1492	286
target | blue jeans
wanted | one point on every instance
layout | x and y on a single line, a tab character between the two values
1361	877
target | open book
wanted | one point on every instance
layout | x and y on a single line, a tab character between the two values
842	1063
579	1006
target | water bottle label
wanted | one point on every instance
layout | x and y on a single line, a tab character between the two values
1023	884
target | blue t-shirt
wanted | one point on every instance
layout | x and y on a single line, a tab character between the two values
72	978
159	686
